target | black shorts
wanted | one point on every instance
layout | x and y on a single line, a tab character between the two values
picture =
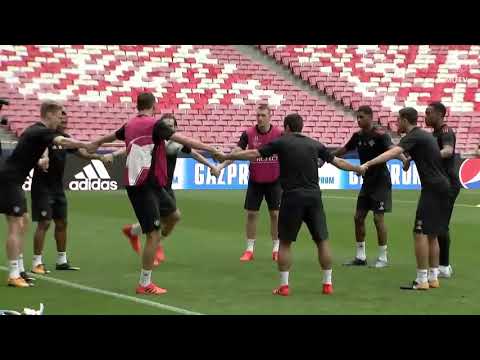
432	212
256	191
150	203
12	200
172	195
302	206
378	199
48	204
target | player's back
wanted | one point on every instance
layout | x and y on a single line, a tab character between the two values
298	157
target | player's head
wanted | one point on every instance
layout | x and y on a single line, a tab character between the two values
407	117
63	122
293	123
51	113
364	117
170	120
435	113
263	116
146	102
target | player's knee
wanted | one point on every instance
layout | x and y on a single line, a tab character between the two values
378	220
43	225
177	216
252	215
359	219
61	225
274	214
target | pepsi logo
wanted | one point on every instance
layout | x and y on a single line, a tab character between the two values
470	174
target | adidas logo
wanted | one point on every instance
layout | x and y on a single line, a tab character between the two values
27	185
94	176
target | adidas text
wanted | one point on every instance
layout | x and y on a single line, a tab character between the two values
93	184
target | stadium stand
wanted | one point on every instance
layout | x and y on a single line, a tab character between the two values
388	77
214	89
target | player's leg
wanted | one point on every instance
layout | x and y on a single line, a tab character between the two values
145	205
59	209
253	200
433	261
13	205
23	233
422	246
379	221
445	270
361	212
13	246
289	223
42	215
273	194
133	232
169	217
316	221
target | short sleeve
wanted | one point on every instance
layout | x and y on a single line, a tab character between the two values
408	142
161	131
324	154
271	148
352	143
448	137
120	133
243	142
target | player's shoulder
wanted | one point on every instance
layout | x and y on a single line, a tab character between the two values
445	129
379	131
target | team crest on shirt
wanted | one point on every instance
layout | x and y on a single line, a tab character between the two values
371	143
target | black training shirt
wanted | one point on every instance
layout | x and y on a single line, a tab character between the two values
298	157
30	148
446	136
369	145
423	149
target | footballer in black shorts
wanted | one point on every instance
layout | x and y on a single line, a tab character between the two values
262	181
50	203
31	145
167	203
431	218
446	139
301	198
376	192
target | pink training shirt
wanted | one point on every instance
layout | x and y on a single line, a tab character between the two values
263	170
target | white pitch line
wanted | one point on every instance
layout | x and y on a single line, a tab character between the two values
394	201
112	294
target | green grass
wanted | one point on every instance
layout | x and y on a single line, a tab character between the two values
203	272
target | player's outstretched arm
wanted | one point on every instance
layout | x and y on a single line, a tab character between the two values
345	165
382	158
82	153
241	155
340	151
202	160
105	139
192	143
229	162
71	143
108	158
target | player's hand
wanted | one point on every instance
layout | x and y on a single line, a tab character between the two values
91	147
44	163
362	169
219	156
406	165
215	171
107	158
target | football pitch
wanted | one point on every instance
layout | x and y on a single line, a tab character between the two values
203	274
